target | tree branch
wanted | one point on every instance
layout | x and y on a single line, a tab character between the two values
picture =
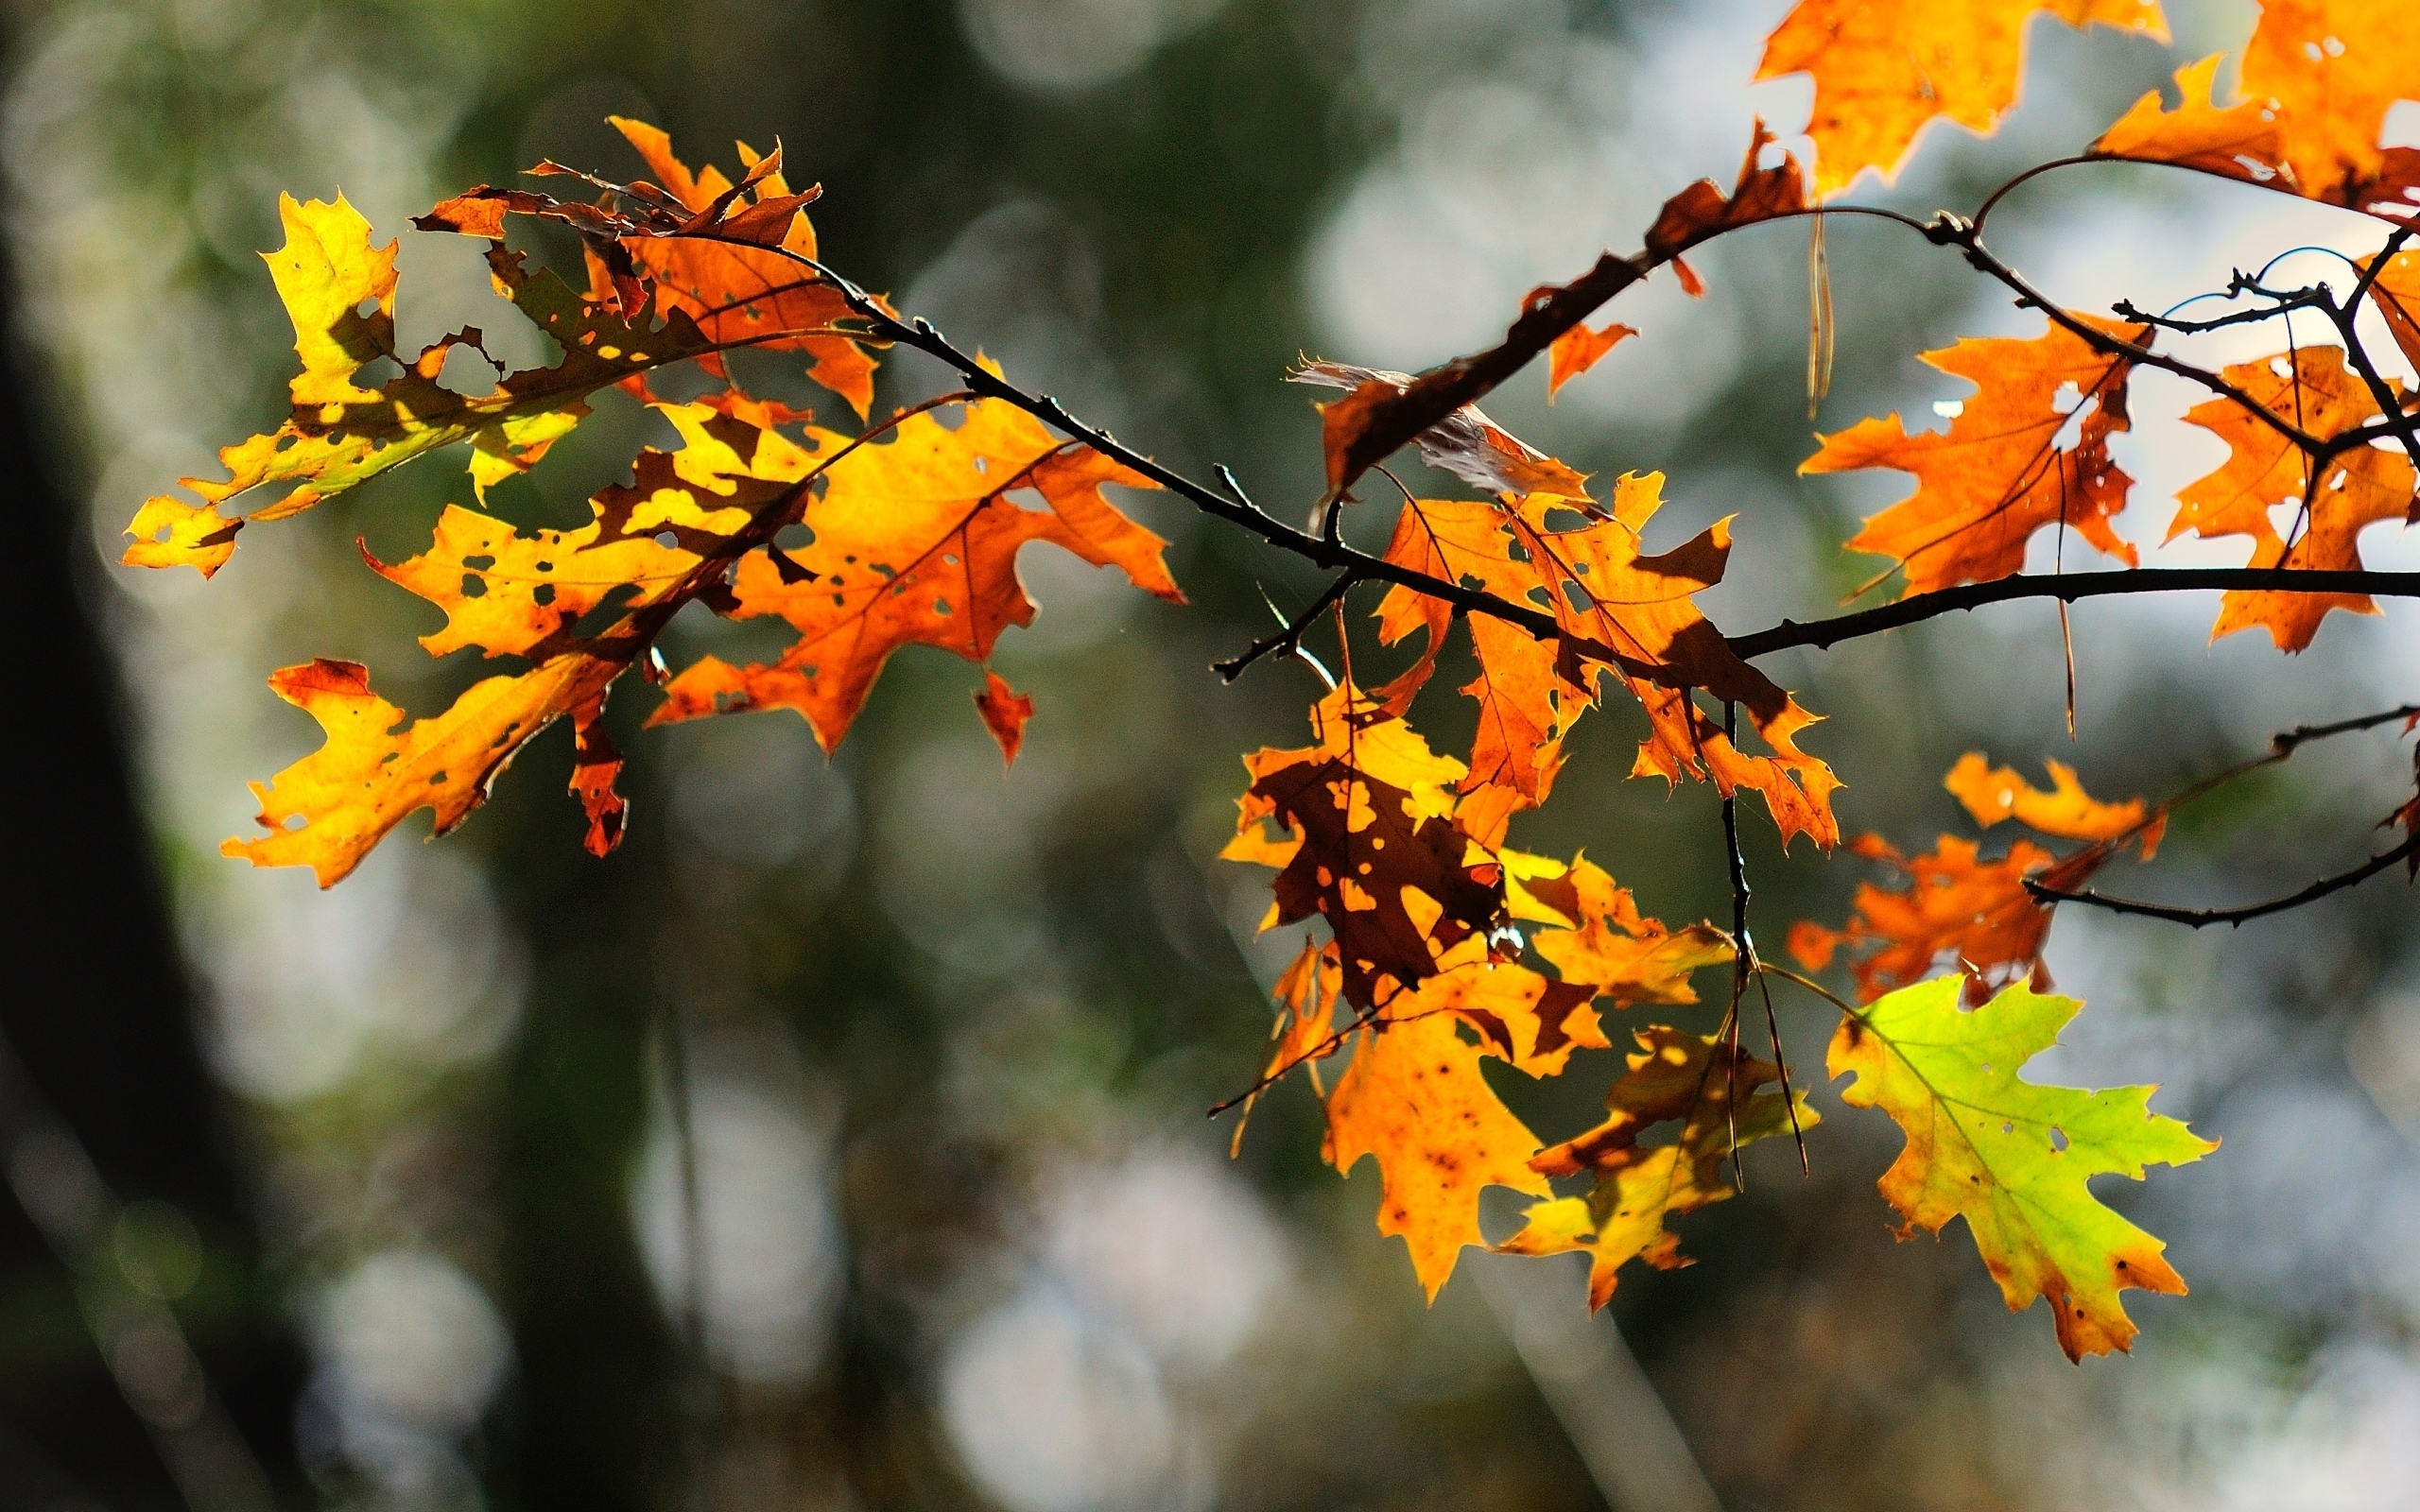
1830	632
1289	638
1956	231
2203	918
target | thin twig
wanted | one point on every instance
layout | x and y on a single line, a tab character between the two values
2203	918
1288	639
1920	607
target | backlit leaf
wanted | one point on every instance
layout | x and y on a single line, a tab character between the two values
2013	1158
1885	69
1672	1076
2266	488
2029	452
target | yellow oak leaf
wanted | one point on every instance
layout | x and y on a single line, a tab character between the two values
915	543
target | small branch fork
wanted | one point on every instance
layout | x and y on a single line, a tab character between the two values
2281	748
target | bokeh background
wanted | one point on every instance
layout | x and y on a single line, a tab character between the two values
839	1143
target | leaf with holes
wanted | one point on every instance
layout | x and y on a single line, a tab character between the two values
2297	518
2029	452
915	541
1886	69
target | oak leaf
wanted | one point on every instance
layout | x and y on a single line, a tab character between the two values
915	543
2319	78
2011	1156
2029	452
1604	940
1414	1098
1005	711
328	810
1617	608
1958	911
1304	1031
2266	475
733	277
2334	69
1376	851
1702	211
340	434
2395	293
1672	1076
1578	350
1885	69
1993	794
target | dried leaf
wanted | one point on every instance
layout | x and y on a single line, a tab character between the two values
1672	1076
1005	711
1465	443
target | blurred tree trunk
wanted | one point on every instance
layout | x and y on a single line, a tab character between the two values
101	1016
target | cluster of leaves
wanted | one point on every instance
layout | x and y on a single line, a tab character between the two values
1432	945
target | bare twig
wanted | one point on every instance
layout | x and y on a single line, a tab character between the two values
2203	918
1921	607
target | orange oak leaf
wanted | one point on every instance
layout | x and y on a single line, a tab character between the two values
1885	69
595	766
2304	138
1957	911
1702	212
732	279
340	434
1465	443
1005	711
2241	141
915	543
1617	608
1993	794
1672	1076
1578	350
1525	706
1414	1098
2027	452
2334	69
1304	1032
2266	488
2396	295
1607	592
